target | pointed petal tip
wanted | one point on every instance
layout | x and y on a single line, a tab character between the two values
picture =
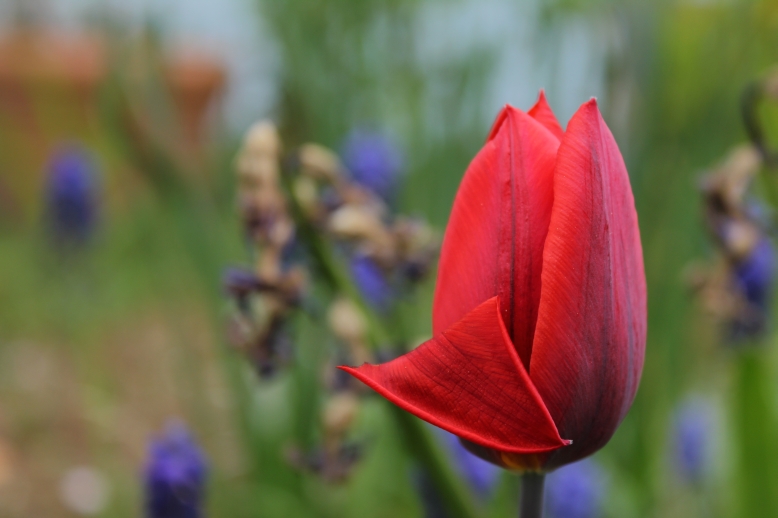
355	371
506	112
590	111
542	112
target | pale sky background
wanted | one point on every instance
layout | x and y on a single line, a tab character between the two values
569	67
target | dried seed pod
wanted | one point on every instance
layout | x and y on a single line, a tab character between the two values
339	414
320	163
346	321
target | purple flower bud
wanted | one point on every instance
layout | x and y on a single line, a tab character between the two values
239	284
374	162
71	196
693	425
754	275
753	280
175	475
372	282
575	491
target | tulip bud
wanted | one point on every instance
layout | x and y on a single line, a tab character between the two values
517	367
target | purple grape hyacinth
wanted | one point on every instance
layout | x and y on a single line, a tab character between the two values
480	474
754	275
753	279
239	283
374	162
692	434
575	491
175	475
71	196
372	282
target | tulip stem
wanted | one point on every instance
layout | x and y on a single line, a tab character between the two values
532	495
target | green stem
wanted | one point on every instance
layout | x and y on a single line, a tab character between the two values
418	441
532	495
755	428
330	269
422	446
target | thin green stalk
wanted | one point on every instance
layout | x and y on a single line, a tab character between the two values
755	429
331	270
417	438
419	443
532	495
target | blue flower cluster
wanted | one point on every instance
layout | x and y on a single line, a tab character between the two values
71	196
371	281
480	474
692	435
575	491
752	278
374	162
175	475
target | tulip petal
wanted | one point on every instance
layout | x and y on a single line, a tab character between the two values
591	330
542	113
494	239
469	380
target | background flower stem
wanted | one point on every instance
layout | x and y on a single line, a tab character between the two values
532	495
421	445
418	441
755	427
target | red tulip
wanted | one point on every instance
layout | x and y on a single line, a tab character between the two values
539	318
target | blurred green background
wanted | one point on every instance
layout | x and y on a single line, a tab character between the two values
100	346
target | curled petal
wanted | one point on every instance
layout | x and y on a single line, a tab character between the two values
494	239
590	336
469	380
